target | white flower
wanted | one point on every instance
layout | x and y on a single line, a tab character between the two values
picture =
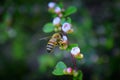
51	4
66	27
75	51
57	9
56	21
64	38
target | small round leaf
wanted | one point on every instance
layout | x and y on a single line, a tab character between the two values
70	10
49	27
59	68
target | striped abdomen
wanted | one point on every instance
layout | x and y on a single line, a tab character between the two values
51	45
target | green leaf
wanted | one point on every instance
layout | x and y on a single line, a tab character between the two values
60	5
59	68
79	76
69	20
62	21
71	46
54	15
70	10
49	27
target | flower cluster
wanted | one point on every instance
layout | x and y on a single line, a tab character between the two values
66	27
63	26
54	8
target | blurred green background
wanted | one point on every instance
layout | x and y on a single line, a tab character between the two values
97	31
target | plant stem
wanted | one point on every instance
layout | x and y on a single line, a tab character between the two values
74	62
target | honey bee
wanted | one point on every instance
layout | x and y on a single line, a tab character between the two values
53	42
57	39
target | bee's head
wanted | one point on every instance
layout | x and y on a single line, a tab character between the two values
56	35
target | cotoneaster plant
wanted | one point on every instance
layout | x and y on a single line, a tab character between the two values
62	26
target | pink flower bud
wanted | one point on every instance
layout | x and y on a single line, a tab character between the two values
69	70
60	15
51	4
75	51
56	21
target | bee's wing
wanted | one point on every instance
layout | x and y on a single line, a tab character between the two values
45	38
